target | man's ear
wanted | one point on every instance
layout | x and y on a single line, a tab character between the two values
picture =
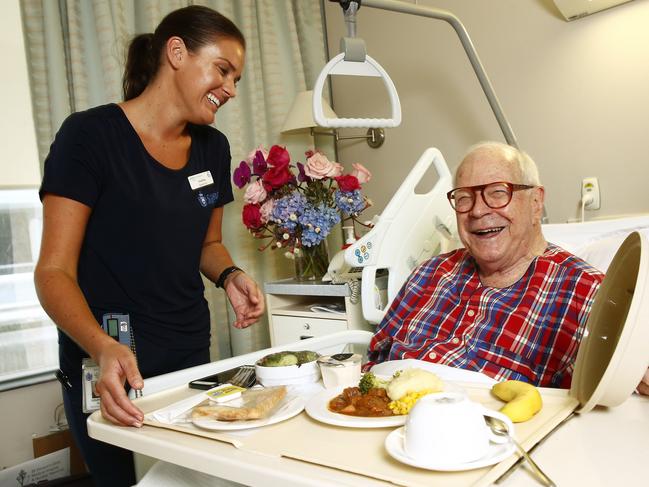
538	199
176	51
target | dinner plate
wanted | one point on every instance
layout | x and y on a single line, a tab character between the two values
395	447
444	372
290	406
318	409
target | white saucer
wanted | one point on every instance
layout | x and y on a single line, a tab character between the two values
497	453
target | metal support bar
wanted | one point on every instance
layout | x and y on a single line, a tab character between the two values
467	44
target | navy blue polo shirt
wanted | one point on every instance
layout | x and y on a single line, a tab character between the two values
142	246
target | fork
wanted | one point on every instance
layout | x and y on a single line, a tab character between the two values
500	429
245	377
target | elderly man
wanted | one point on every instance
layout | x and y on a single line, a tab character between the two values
509	304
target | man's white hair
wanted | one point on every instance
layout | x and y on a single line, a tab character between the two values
526	165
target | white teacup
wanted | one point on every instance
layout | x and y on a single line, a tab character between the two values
448	428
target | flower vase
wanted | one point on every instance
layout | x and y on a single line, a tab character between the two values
311	263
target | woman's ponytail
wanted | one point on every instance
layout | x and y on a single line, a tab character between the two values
141	65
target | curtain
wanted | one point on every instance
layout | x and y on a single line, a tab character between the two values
76	51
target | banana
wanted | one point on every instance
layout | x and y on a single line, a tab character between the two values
523	399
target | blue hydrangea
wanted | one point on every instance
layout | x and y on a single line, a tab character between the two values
287	210
350	202
316	223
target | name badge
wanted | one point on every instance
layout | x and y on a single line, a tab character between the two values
201	179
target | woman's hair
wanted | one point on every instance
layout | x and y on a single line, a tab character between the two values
197	26
529	172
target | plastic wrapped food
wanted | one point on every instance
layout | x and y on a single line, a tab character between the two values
253	404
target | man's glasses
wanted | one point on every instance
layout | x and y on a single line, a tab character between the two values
495	195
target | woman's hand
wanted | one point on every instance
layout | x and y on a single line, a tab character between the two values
117	365
246	299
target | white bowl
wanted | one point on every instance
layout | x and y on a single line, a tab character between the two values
288	374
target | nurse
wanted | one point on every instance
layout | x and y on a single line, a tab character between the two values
133	197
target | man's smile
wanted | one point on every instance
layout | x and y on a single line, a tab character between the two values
488	232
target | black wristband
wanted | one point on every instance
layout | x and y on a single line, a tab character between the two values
226	272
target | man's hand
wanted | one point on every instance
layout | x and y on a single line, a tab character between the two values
246	299
117	365
643	387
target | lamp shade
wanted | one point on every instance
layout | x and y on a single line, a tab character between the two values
300	116
576	9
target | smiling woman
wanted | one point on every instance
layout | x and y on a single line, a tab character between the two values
76	53
133	196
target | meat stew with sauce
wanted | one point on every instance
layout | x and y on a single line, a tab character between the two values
353	403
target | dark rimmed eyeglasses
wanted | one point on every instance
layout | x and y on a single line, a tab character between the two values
495	195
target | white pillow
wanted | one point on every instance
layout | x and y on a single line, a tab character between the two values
600	253
595	241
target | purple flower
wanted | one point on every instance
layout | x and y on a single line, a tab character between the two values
302	177
241	175
259	163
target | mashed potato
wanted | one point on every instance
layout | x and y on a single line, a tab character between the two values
413	380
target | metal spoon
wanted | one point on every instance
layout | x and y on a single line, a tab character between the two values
500	428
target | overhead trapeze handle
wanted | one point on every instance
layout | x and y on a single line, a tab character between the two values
369	67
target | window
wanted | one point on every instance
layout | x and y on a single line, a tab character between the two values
28	339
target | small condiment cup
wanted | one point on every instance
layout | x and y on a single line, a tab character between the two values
340	369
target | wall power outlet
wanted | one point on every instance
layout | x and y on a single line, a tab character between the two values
590	193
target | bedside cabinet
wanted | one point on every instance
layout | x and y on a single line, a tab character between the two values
298	310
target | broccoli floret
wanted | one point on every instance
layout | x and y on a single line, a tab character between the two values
369	381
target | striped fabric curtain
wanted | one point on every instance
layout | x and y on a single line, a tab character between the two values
76	51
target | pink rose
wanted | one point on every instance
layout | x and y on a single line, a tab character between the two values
255	192
361	173
253	153
267	210
318	167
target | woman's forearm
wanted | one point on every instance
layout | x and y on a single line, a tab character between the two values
64	302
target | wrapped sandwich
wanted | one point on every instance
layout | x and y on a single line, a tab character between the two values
253	404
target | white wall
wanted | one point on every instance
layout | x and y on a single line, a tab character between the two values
29	410
575	94
19	158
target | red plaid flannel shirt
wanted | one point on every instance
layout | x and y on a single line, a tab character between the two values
529	331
